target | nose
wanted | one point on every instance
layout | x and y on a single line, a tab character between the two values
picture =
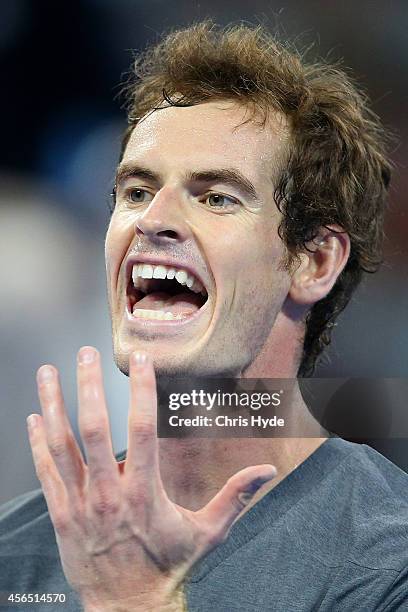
164	220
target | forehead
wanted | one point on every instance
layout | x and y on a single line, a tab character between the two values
209	134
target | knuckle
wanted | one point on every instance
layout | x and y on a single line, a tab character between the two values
86	372
61	521
142	431
243	498
104	505
93	433
57	446
48	398
104	501
237	504
43	470
137	496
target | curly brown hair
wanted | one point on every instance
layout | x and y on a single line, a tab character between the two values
337	171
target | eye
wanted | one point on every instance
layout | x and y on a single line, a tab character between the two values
139	196
218	200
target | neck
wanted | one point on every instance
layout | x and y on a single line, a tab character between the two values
195	469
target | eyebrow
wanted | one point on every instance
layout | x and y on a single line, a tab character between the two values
229	176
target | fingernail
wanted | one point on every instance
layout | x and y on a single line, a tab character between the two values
139	359
31	422
45	374
86	354
246	496
266	472
269	473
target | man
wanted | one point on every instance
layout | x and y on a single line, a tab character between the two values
248	201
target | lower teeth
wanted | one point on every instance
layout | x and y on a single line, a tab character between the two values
141	313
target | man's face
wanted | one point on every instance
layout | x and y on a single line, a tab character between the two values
195	197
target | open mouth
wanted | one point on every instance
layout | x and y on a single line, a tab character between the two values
165	293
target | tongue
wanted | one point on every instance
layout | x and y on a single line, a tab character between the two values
183	303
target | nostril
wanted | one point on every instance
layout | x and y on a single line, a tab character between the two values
168	234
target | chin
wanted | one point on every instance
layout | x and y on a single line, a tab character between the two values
179	366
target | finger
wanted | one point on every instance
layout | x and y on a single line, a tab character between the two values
60	439
142	454
236	494
52	484
94	427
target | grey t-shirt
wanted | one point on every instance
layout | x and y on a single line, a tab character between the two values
332	536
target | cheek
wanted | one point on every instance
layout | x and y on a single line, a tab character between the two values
117	243
252	276
250	259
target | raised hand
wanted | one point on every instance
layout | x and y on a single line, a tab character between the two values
124	545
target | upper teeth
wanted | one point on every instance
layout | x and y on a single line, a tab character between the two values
142	271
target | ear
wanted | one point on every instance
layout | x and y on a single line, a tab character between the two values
320	266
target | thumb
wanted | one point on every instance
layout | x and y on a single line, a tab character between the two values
223	509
